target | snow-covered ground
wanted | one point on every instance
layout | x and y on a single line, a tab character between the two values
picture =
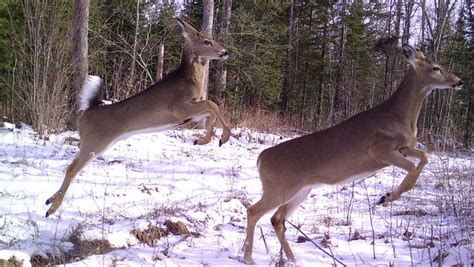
144	187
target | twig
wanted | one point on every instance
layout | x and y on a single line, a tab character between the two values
280	261
316	245
429	247
263	237
371	215
351	205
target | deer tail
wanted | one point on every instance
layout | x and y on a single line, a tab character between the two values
91	93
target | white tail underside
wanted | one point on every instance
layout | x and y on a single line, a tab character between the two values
89	90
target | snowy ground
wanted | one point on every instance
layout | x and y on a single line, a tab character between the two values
124	200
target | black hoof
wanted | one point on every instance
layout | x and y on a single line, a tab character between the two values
195	142
383	199
47	203
47	214
220	143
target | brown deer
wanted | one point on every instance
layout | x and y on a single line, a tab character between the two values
172	101
369	141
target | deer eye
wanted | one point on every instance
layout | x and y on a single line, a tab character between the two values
436	69
207	43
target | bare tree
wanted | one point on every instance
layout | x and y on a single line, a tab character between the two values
221	81
206	27
160	63
135	41
80	28
42	66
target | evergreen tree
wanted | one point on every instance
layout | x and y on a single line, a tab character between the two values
462	55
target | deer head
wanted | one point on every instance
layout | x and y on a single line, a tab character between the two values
433	75
199	44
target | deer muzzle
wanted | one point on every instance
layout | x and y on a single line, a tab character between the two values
224	55
458	86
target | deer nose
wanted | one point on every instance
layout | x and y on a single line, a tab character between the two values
224	54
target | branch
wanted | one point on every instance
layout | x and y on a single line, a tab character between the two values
316	245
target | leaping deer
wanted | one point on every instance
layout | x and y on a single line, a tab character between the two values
369	141
172	101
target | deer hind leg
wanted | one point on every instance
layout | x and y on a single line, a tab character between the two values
86	154
282	213
254	213
398	158
203	108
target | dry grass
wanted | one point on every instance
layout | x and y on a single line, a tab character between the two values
265	121
11	262
153	232
82	249
150	235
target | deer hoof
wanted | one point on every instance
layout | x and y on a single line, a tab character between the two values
383	200
47	203
249	261
47	214
223	140
195	142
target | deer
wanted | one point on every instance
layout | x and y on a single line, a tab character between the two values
382	136
172	101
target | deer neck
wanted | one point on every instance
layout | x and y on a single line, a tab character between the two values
408	99
193	65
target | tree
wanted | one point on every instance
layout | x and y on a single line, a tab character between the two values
206	27
11	21
221	77
462	55
41	55
286	66
80	46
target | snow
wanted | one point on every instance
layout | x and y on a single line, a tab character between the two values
150	179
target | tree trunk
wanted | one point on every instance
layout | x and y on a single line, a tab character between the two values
206	27
322	75
221	80
80	28
160	63
338	98
131	81
286	67
391	53
408	16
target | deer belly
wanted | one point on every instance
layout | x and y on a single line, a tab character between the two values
145	131
356	177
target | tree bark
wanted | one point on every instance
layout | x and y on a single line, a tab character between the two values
286	68
408	16
160	63
206	27
135	41
80	28
221	80
340	84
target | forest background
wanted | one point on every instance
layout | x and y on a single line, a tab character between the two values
294	64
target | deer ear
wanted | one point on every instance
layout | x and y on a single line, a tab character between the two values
412	55
186	29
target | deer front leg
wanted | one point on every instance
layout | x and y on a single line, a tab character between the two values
205	139
398	158
203	108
